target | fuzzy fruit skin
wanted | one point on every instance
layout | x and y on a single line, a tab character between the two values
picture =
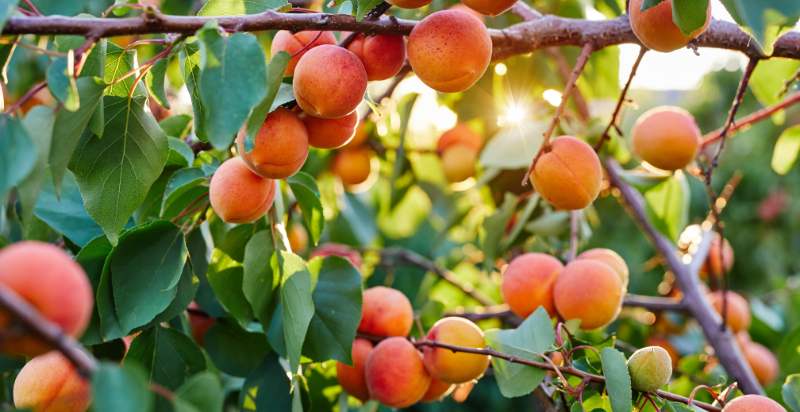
352	378
738	310
437	391
763	362
385	312
753	403
50	281
450	50
395	374
352	166
409	4
610	258
342	251
713	263
460	135
490	7
666	137
650	368
280	147
528	283
329	82
458	163
383	55
331	133
590	291
293	43
49	383
569	175
655	28
448	366
238	195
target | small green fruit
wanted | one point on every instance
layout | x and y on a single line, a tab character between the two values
650	368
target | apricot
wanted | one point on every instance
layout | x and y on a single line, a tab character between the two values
589	291
50	281
361	136
383	55
569	174
336	249
395	374
280	147
298	237
650	368
237	194
437	391
450	50
329	82
667	346
49	383
352	166
460	135
351	378
528	283
298	44
721	251
490	7
409	4
385	312
610	258
666	137
331	133
738	310
455	367
762	361
464	8
753	403
199	323
458	163
656	29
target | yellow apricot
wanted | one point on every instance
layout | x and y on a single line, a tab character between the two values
569	174
589	291
490	7
395	374
738	309
385	312
352	166
610	258
455	367
330	133
656	29
458	163
666	137
280	147
329	82
352	378
238	195
650	368
528	283
49	383
297	44
462	135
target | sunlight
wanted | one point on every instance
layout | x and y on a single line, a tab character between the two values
553	97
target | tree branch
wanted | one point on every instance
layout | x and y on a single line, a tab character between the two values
751	119
654	303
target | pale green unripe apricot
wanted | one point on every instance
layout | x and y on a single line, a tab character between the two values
650	368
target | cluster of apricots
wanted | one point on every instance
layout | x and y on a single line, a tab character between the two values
458	148
589	289
394	371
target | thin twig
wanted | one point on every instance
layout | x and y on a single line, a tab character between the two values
27	96
623	97
752	119
653	303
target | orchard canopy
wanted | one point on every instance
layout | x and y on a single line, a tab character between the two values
424	205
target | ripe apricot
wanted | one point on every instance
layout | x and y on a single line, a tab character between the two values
49	383
449	50
490	7
464	8
329	82
237	194
569	174
656	29
455	367
720	252
330	133
458	163
528	283
298	237
650	368
298	44
351	378
762	361
437	391
385	312
738	310
280	147
383	55
753	403
352	166
361	136
199	323
336	249
50	281
460	135
409	4
666	137
589	291
610	258
395	374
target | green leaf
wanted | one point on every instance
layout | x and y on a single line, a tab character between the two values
7	8
184	187
298	307
239	7
769	79
275	70
618	381
17	153
62	83
177	126
305	190
190	69
39	125
689	15
365	6
494	227
791	392
786	149
261	279
119	62
180	154
66	213
120	389
234	350
200	393
646	4
167	355
267	388
764	15
185	293
116	171
154	81
668	205
227	287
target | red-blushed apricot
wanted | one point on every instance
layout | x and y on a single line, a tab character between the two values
458	163
437	391
385	312
650	368
610	258
329	82
383	55
455	367
298	44
330	133
589	291
352	166
49	383
720	252
528	283
298	237
237	194
490	7
409	4
666	137
656	29
50	281
351	378
667	346
460	135
449	50
738	310
280	147
199	323
753	403
569	174
395	374
336	249
762	361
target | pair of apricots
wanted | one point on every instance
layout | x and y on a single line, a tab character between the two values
394	372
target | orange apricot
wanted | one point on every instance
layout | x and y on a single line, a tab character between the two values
720	252
589	291
298	237
666	137
352	166
455	367
342	251
409	4
385	312
329	82
753	403
49	383
458	163
331	133
610	258
656	29
351	378
50	281
490	7
460	135
383	55
528	283
738	310
450	50
361	136
298	44
464	8
569	174
280	147
395	373
437	391
238	195
762	361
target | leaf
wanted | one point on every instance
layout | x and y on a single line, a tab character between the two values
786	149
7	8
17	153
267	388
227	287
689	15
298	307
646	4
365	6
180	154
200	393
668	205
39	125
154	81
305	190
119	62
120	389
62	84
234	350
791	392
190	69
177	126
184	294
618	381
167	355
66	214
769	79
184	187
275	70
764	15
239	7
494	227
261	279
115	172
